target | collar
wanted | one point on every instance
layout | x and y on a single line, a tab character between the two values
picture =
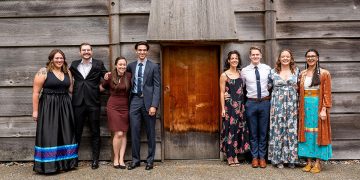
82	61
253	66
143	62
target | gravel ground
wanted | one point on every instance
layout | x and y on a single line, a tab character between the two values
199	169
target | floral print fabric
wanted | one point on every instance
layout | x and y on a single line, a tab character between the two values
283	141
234	138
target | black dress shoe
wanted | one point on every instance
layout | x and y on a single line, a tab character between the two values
95	164
117	166
149	166
133	166
122	166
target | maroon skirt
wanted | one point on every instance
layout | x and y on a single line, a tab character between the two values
118	113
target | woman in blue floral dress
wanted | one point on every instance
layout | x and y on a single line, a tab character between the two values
284	111
234	133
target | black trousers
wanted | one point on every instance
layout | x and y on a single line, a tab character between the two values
139	114
92	114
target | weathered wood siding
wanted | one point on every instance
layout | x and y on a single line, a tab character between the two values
250	28
29	29
331	27
174	20
28	32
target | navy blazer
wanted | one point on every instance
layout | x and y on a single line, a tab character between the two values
151	83
87	89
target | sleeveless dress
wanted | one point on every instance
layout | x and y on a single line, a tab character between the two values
234	137
283	142
117	107
55	146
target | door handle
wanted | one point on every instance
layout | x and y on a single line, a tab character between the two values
167	88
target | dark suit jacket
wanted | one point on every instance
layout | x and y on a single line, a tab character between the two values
151	84
87	89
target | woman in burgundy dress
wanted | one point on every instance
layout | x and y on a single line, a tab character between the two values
119	83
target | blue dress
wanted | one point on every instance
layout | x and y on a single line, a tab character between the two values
309	148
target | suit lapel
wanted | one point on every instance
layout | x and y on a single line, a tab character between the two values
133	71
94	63
75	67
147	70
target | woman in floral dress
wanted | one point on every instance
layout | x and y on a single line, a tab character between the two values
283	112
234	133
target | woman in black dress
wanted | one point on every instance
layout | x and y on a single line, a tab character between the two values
55	146
234	139
119	83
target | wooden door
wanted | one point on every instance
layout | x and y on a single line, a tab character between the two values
191	102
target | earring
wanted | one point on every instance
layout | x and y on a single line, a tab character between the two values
318	67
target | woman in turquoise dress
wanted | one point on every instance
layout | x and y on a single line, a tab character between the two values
283	80
234	136
314	110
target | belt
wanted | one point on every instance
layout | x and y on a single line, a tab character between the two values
261	99
138	94
312	92
311	129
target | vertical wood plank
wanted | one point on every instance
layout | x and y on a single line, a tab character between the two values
114	34
191	20
270	33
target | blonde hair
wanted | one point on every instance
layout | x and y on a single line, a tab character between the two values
255	48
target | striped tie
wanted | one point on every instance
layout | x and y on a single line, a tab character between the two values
140	79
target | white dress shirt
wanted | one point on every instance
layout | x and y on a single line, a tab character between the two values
248	74
84	69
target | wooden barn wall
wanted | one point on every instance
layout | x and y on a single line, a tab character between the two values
250	29
331	27
36	27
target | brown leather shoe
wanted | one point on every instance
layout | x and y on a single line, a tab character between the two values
255	163
262	163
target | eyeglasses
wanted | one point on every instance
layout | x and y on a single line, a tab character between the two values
310	57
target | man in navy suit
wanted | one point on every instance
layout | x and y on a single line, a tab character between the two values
87	73
144	101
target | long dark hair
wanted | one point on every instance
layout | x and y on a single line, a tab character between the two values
227	64
50	63
316	75
116	77
292	62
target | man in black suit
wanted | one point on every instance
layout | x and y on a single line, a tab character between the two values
144	101
87	73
